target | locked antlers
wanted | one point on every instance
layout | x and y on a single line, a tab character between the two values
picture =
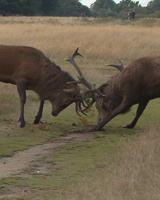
84	100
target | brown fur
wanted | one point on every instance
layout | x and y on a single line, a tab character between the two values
138	83
29	68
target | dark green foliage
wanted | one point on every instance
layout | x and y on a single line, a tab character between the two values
108	8
42	7
49	7
100	8
154	5
72	8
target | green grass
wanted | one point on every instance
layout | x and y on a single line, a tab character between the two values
71	162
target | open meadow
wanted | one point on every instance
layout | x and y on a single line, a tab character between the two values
113	164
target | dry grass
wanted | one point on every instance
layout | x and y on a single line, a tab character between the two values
96	41
99	43
133	174
9	99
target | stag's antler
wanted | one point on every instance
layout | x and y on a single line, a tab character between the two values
83	101
94	91
72	61
97	90
120	67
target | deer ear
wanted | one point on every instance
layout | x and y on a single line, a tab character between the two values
69	91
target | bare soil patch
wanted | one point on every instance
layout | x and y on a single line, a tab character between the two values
21	160
15	165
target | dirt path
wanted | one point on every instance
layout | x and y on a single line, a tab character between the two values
23	159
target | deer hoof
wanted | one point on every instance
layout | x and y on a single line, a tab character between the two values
22	124
127	126
36	121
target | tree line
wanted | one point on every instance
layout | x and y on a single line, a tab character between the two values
108	8
100	8
42	7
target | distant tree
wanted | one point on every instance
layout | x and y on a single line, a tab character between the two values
103	8
9	7
103	4
129	3
126	5
28	7
71	8
154	5
21	7
31	7
49	7
85	10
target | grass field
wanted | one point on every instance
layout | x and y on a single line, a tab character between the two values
119	163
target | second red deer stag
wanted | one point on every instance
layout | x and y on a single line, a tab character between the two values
138	83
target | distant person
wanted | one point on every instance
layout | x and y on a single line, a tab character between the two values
133	14
83	14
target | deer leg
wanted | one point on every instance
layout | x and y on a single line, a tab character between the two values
140	109
123	106
39	115
22	94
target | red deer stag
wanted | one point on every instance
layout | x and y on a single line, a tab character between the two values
138	83
29	69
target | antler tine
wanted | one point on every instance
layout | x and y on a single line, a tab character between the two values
72	61
76	53
78	108
119	67
95	91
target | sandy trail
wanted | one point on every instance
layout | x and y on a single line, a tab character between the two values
21	160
